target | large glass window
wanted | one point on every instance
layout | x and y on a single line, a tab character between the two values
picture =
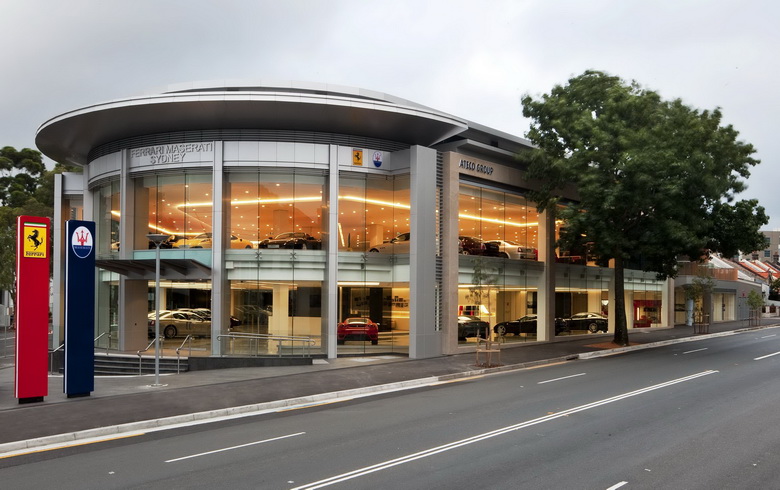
372	212
643	300
581	299
374	242
277	289
283	209
499	276
107	217
507	219
178	205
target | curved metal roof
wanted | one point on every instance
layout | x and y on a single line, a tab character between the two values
206	106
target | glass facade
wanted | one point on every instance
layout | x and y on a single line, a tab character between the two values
498	269
276	281
107	217
177	205
374	242
275	251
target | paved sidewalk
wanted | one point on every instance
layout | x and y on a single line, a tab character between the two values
123	400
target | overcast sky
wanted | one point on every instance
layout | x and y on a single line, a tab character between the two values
471	58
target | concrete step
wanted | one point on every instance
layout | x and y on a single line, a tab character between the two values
118	365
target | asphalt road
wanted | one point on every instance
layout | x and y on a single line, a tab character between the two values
699	415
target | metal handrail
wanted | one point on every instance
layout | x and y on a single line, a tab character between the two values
187	339
51	357
108	344
306	341
146	349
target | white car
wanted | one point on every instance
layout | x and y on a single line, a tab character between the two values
204	240
398	245
513	250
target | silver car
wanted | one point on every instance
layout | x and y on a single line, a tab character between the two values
179	324
398	245
513	250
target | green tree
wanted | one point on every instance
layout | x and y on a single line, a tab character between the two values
700	287
755	301
774	289
20	174
656	179
26	188
483	283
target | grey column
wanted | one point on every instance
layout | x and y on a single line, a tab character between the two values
220	290
450	261
424	339
58	269
330	286
546	293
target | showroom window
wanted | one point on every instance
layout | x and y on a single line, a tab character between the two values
581	299
107	217
283	208
276	286
178	205
372	212
498	235
374	241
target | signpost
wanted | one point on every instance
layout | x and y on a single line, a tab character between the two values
31	381
79	308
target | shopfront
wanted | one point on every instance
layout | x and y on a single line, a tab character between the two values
289	216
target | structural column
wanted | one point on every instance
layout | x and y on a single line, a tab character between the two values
424	339
546	296
330	286
220	289
449	251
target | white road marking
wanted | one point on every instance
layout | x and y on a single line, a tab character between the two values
488	435
696	350
767	336
558	379
764	357
617	485
234	447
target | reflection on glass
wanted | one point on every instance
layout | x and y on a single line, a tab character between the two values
107	217
372	211
269	207
498	235
178	205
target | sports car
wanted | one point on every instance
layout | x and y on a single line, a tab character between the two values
357	328
290	239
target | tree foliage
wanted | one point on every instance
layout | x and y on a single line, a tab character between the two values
26	188
656	179
20	173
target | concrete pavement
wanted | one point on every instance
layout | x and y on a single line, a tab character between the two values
122	404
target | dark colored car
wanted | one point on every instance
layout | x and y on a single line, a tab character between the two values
525	324
590	321
471	326
357	328
474	246
290	239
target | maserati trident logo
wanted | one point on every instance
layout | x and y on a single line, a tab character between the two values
81	242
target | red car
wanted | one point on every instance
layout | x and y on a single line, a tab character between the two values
358	328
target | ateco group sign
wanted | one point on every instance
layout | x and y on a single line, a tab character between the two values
178	153
476	167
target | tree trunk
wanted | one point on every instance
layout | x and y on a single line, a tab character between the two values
621	325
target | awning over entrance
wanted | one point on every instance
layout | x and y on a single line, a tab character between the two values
169	268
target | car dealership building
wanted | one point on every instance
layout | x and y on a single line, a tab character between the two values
290	207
